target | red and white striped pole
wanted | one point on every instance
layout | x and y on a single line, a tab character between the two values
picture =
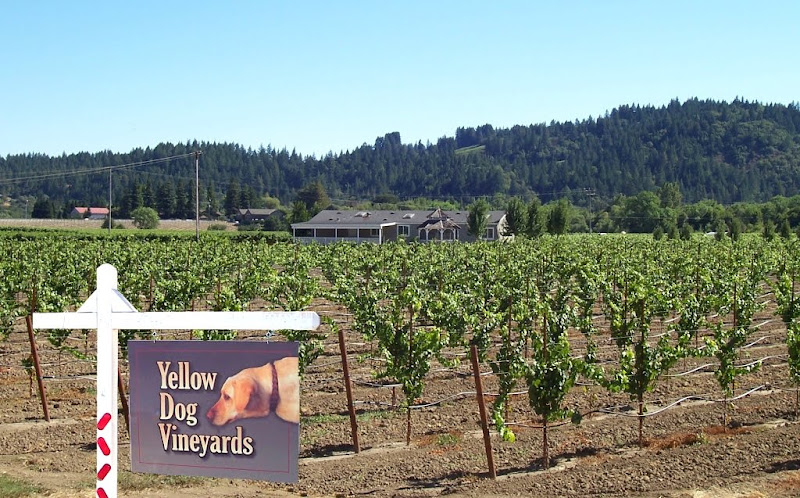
107	368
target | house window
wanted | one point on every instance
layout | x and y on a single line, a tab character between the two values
373	232
403	230
490	233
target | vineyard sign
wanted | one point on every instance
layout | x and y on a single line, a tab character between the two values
215	408
107	310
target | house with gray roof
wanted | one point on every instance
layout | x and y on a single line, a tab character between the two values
250	214
380	226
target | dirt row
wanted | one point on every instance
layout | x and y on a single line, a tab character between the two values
687	452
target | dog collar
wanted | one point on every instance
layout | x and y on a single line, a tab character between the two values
275	396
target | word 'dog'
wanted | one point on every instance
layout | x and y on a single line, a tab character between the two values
183	412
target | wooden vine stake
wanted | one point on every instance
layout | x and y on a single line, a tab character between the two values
349	390
409	402
545	452
37	367
791	317
735	326
487	441
123	398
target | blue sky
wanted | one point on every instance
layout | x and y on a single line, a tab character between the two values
321	76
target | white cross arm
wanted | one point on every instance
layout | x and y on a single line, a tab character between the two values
184	320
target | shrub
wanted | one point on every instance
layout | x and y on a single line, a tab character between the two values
218	227
114	224
658	233
145	218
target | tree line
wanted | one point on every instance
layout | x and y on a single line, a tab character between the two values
733	152
661	212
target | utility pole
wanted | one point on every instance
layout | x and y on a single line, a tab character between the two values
109	201
197	194
590	193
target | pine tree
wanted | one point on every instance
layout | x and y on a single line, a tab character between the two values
785	229
149	195
232	198
534	228
314	197
559	218
212	204
516	217
167	201
299	212
478	218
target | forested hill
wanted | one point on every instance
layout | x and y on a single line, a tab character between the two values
739	151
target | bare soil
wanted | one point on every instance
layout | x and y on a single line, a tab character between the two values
687	453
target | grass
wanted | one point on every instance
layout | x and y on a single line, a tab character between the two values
326	418
447	439
14	488
312	436
472	149
129	481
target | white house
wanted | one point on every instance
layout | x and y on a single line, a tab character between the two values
387	225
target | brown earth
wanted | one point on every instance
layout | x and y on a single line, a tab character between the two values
687	453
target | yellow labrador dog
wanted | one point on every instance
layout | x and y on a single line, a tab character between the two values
255	392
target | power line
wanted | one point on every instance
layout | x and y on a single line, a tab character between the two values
89	171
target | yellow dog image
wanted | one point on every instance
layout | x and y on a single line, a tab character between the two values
256	392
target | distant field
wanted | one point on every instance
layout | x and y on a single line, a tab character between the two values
90	224
472	149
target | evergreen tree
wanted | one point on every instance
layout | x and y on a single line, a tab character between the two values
785	229
149	195
558	218
167	202
478	218
686	231
43	208
720	230
314	197
212	204
516	217
299	212
248	197
191	206
672	230
232	198
670	195
769	230
133	199
735	230
534	228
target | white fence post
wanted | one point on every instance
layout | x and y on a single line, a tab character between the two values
107	371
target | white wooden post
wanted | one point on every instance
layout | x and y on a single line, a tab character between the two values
107	310
107	368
